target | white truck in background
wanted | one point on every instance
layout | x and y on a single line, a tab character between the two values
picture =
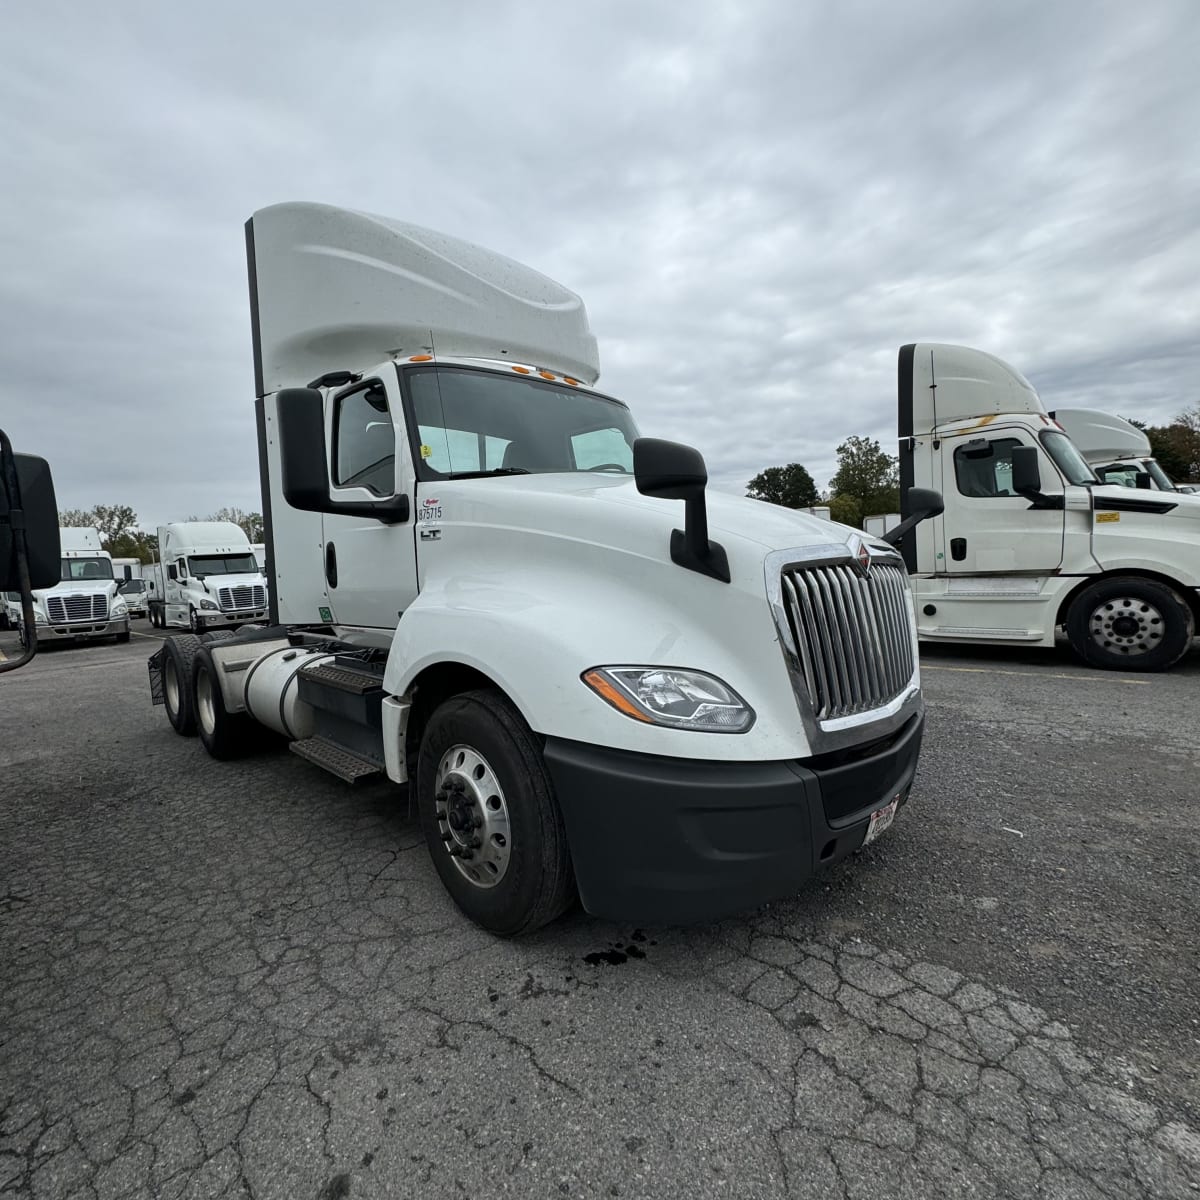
594	679
132	584
84	605
1117	450
259	550
1030	540
881	524
206	578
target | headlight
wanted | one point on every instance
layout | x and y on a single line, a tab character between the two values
204	603
672	697
120	608
39	618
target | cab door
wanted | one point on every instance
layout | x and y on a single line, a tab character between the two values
987	529
370	567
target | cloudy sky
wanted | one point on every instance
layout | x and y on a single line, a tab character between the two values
758	201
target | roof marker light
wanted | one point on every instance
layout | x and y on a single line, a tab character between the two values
572	382
546	375
522	370
421	358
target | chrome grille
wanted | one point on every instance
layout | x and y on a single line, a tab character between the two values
235	599
852	634
80	607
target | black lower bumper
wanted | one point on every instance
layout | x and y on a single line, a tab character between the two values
671	841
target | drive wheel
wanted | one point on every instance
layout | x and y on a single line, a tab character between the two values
223	734
179	653
1130	624
489	815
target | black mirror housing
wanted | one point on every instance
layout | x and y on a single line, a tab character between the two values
304	461
1026	474
673	471
921	503
36	508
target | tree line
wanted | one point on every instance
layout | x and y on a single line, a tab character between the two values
867	481
1176	446
117	525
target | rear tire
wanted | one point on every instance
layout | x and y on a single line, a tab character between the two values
179	653
521	877
224	735
1130	624
218	635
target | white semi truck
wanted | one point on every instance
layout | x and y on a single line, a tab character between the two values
486	586
206	578
1030	541
1117	450
84	605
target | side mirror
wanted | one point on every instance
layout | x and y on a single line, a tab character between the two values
304	461
172	573
1143	480
1026	474
672	471
922	503
35	510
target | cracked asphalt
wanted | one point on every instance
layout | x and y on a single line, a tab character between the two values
246	980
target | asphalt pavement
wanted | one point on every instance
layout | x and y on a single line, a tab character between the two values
246	979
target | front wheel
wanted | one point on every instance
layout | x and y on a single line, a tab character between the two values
194	622
123	637
1130	624
489	815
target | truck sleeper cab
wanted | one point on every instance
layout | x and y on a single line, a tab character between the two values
594	678
1031	542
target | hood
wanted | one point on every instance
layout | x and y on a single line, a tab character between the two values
244	579
76	587
1124	499
608	509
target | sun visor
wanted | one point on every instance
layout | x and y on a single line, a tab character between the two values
955	383
332	290
1102	437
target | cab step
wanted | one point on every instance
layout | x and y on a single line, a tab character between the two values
337	760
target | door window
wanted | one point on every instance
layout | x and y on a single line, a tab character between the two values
364	442
985	471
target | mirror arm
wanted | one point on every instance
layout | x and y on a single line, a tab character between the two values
1040	500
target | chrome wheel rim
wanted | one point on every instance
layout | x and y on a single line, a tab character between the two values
205	711
1126	625
472	816
171	686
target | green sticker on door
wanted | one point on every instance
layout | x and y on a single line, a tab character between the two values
326	614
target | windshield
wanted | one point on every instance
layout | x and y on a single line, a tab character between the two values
201	565
1158	475
74	569
1067	457
477	421
132	585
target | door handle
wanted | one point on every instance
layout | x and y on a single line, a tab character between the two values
958	549
330	565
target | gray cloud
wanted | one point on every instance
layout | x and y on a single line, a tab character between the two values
759	203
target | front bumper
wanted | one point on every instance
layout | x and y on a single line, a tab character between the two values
214	620
671	841
84	629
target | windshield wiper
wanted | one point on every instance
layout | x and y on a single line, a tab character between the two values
482	474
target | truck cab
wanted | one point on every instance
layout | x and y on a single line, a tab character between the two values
1116	449
85	604
208	577
593	678
1031	540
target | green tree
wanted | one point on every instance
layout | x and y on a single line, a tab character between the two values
1177	446
137	544
869	475
117	526
792	486
847	509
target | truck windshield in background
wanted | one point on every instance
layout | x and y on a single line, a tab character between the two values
132	587
75	569
469	421
201	565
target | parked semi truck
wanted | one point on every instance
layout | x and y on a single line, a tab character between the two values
84	605
30	554
1117	450
1031	542
207	578
592	678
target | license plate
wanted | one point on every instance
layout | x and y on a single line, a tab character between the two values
881	819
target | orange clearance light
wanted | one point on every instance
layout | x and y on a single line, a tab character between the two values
522	370
572	382
545	375
605	690
421	358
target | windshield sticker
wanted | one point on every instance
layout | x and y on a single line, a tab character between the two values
430	510
1113	516
426	451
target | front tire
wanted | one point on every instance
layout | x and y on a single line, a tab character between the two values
123	637
490	819
179	653
194	622
1130	624
224	735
